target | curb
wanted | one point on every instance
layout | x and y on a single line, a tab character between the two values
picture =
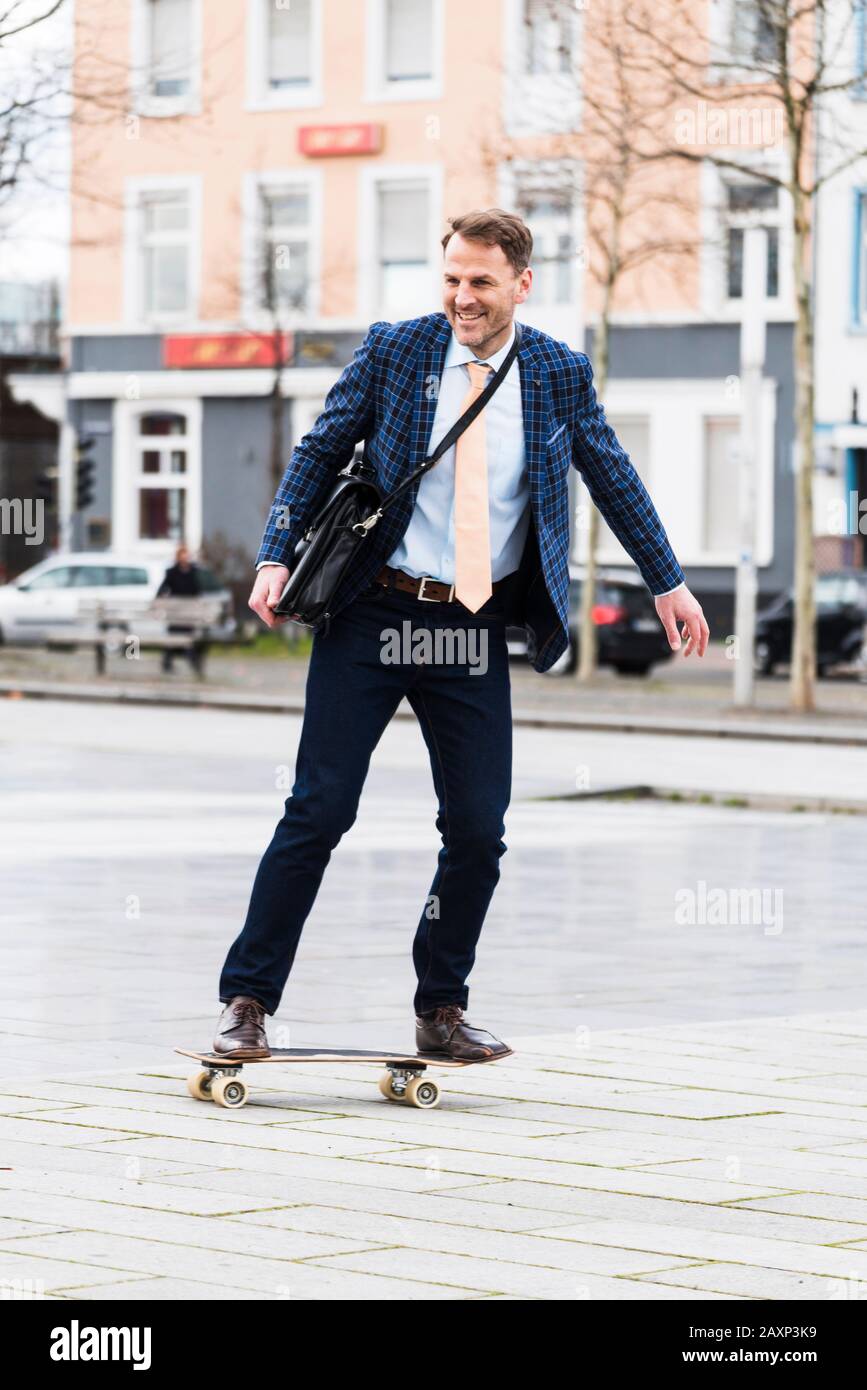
594	723
734	801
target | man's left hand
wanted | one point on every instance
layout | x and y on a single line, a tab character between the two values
682	607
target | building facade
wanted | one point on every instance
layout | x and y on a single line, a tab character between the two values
841	305
274	176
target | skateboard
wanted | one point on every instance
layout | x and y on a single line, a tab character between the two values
403	1080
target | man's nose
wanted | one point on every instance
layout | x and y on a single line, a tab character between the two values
464	297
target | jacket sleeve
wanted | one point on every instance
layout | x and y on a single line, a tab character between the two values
617	490
318	457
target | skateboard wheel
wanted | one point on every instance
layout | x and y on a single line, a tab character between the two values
386	1087
199	1085
229	1091
423	1093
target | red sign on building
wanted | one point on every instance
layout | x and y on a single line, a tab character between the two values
226	349
357	138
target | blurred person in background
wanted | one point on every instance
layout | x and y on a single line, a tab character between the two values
181	581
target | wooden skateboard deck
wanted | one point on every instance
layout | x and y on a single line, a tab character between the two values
404	1079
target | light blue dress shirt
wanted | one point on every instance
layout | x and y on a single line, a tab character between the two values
428	544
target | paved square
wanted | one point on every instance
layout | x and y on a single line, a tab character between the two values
685	1115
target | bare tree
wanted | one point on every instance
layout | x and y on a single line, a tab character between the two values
635	215
792	59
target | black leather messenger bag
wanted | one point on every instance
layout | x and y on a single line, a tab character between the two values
352	509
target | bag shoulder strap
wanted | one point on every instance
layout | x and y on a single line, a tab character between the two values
463	421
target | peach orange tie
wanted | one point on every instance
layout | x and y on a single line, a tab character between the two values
472	539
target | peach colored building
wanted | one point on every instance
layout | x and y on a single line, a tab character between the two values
263	178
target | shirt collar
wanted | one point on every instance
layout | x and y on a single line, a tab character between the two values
459	353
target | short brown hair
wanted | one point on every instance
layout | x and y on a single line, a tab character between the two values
495	227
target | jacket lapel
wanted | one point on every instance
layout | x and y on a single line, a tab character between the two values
428	371
535	409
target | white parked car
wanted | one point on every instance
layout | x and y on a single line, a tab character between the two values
48	598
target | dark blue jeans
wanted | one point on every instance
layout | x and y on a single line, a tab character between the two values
452	666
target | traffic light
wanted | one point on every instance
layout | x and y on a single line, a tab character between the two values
84	471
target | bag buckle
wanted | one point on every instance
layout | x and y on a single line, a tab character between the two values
364	526
429	579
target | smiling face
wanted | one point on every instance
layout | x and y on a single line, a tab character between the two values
480	291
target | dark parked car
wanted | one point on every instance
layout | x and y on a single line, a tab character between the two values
630	635
841	612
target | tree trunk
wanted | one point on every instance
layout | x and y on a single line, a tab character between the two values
802	686
588	645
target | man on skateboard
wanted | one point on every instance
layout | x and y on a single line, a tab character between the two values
481	541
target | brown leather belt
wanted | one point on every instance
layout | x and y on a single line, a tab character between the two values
427	589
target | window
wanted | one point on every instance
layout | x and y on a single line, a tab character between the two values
403	50
160	475
409	42
91	577
859	289
403	242
165	246
289	44
285	249
549	37
283	53
748	203
839	591
170	47
548	211
754	31
124	576
721	452
59	578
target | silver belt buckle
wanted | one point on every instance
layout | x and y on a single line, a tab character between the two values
429	579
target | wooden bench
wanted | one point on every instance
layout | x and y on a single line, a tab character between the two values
185	625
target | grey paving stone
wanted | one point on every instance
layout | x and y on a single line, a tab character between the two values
738	1218
491	1276
701	1245
91	1250
750	1281
814	1205
305	1282
423	1176
509	1247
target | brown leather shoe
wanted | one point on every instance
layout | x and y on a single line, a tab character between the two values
241	1030
445	1030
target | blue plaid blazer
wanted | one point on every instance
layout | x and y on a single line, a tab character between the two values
387	397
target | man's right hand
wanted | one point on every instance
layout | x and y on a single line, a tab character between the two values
270	583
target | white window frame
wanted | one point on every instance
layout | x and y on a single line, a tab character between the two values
143	102
310	181
376	85
677	408
371	176
713	258
724	54
539	103
564	321
126	473
260	96
134	299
